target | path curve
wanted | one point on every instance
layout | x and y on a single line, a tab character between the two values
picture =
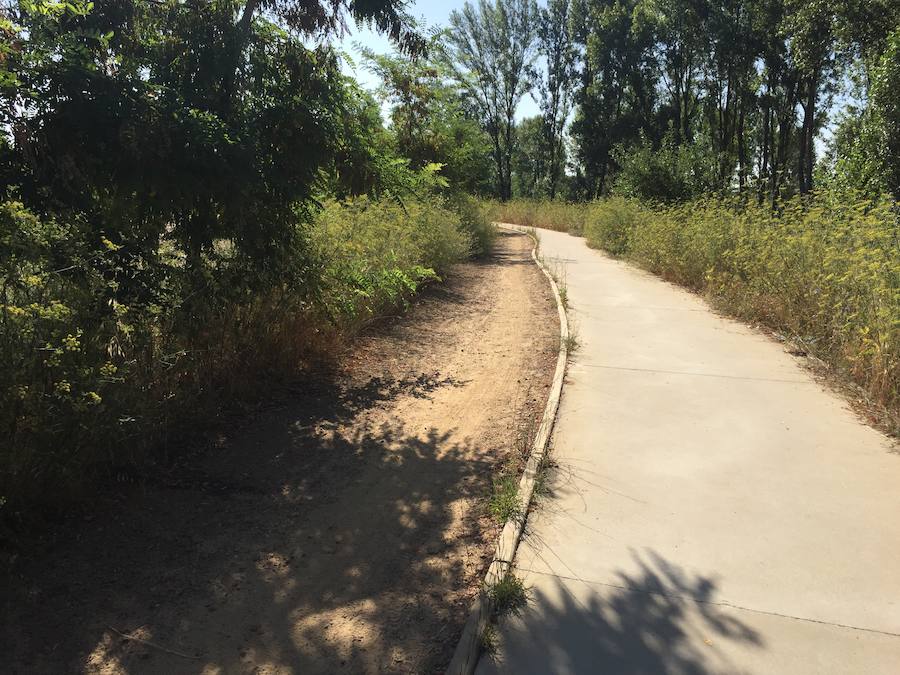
715	509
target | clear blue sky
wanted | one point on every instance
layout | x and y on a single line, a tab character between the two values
430	13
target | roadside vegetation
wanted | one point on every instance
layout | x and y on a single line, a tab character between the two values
550	215
196	201
823	272
698	150
196	206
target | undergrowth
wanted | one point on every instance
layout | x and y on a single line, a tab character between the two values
110	352
556	215
823	270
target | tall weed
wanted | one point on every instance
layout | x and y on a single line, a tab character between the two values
824	271
96	380
555	215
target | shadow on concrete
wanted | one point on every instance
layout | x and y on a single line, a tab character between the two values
654	619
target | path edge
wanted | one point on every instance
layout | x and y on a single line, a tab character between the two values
468	650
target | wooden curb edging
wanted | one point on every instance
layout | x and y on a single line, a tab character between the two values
465	658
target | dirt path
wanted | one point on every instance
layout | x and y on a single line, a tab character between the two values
343	533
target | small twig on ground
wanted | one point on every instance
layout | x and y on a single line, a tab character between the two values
154	645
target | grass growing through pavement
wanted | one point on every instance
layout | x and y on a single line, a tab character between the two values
489	640
508	596
542	478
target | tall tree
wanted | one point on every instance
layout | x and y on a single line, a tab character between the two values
618	93
531	159
140	117
810	30
430	122
490	50
678	50
555	85
729	87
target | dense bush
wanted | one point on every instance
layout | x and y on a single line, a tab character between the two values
475	220
612	221
375	254
95	378
195	200
555	215
825	271
669	173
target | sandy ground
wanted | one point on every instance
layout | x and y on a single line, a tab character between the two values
343	532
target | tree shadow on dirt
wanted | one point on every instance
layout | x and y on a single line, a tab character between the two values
653	618
335	548
506	257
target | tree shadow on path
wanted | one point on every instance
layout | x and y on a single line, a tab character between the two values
655	618
333	549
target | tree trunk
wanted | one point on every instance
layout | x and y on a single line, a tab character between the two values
239	41
741	153
808	151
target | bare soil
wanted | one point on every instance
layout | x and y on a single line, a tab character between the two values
343	532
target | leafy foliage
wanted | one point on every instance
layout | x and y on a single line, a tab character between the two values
748	85
555	86
114	377
430	122
555	215
194	202
490	50
825	273
671	173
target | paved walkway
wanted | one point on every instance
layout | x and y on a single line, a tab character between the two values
715	510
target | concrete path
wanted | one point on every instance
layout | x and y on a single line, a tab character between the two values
715	510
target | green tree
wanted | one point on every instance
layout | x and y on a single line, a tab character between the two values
555	85
886	109
490	50
201	120
618	94
678	39
430	123
531	159
730	88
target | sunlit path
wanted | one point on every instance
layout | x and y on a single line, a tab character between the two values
715	509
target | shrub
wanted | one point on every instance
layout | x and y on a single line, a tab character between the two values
556	215
108	350
376	253
610	224
671	172
475	221
825	271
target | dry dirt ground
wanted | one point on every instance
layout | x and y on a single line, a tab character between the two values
343	532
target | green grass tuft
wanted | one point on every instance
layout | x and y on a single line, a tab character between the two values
504	501
509	595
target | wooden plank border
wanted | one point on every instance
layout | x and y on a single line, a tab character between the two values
468	651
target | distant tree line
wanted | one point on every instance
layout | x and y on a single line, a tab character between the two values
674	98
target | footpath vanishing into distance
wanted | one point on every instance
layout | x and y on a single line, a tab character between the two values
715	510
